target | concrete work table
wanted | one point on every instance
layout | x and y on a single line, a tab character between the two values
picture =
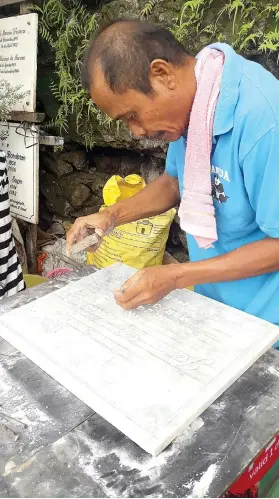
53	445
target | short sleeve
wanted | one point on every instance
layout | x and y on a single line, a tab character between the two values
261	178
171	168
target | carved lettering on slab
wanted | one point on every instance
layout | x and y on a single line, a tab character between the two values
149	371
18	57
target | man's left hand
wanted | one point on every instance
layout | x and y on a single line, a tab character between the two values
150	285
146	287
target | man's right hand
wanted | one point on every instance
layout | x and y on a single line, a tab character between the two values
156	198
102	223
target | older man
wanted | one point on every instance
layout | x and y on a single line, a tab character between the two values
220	112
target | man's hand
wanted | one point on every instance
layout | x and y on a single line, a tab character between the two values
151	284
156	198
147	286
102	223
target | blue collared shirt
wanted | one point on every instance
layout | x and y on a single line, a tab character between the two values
245	179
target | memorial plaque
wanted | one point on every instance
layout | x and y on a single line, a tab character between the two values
149	372
21	144
18	57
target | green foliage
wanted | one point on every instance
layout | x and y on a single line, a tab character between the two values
148	8
67	25
9	97
68	29
256	27
254	23
191	17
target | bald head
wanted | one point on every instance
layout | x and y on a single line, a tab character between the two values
124	51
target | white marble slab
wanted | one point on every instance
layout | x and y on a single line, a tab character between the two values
149	372
18	57
21	144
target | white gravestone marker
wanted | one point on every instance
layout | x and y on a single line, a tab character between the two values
149	372
21	144
18	57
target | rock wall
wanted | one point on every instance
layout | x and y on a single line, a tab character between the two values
72	181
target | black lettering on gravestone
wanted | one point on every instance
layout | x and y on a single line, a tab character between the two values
21	144
18	57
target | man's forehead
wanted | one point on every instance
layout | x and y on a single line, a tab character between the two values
114	104
97	81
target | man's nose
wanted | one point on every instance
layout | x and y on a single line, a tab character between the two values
137	130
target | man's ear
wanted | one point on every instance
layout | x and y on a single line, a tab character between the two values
163	72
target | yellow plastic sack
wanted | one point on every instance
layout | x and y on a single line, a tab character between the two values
137	244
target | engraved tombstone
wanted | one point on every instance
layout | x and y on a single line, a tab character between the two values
21	144
150	372
18	57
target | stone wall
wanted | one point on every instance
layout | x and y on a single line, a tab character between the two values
71	181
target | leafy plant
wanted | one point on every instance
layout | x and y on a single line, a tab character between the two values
9	96
270	42
191	17
67	25
148	8
254	23
232	9
68	30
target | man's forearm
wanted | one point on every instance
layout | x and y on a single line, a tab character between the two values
156	198
261	257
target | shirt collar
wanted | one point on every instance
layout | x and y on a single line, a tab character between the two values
229	91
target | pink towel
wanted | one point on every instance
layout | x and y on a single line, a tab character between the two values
196	209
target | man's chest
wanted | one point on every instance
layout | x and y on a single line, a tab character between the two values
232	205
233	210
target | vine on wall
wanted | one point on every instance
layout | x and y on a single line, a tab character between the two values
67	27
254	23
